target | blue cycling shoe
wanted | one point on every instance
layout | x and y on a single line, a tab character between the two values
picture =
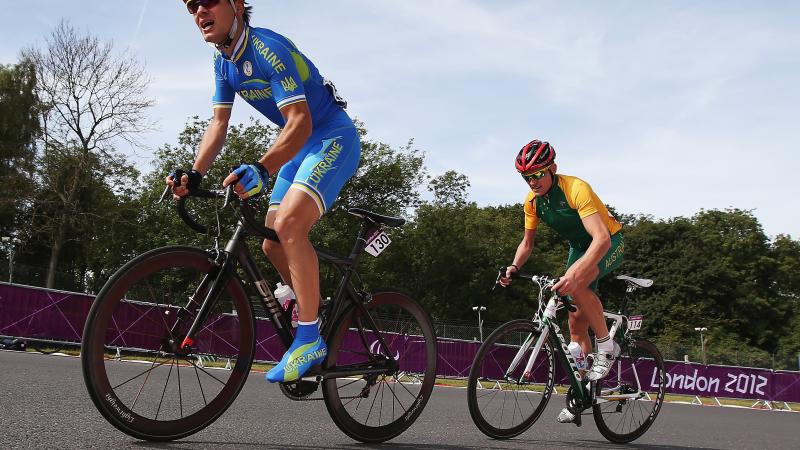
300	357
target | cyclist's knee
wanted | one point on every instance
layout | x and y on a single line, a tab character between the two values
290	229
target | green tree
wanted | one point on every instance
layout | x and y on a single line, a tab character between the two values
19	127
449	189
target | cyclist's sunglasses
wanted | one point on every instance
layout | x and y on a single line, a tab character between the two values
538	175
192	5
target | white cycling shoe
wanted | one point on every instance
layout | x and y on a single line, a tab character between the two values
602	364
565	416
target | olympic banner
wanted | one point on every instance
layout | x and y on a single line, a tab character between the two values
37	313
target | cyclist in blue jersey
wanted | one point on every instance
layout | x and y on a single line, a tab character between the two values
316	152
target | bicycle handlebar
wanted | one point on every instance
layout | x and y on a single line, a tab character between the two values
246	209
544	281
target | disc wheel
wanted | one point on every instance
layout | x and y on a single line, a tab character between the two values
137	376
503	400
377	407
629	399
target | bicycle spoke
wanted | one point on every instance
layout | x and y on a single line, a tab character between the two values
149	371
200	385
180	392
164	391
137	376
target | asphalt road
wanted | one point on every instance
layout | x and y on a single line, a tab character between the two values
44	404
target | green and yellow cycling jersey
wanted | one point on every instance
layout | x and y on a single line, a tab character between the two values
563	208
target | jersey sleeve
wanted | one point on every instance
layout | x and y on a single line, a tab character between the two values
224	93
531	219
284	75
583	199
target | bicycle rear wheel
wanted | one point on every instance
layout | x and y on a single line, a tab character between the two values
135	375
628	400
378	407
503	400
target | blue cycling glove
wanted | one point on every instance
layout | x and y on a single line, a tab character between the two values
254	178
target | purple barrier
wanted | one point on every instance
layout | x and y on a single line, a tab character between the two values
41	313
29	312
785	386
455	357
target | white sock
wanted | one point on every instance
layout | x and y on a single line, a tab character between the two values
605	347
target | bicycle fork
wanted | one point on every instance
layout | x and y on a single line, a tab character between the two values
547	323
216	278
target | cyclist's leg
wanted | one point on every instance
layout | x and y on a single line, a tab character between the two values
272	249
331	159
293	222
607	350
588	309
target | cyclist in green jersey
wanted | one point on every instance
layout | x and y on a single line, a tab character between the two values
569	206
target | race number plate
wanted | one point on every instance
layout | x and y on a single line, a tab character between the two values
634	323
377	243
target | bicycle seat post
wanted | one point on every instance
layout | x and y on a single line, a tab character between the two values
358	247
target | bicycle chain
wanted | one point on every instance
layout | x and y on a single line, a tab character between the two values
316	399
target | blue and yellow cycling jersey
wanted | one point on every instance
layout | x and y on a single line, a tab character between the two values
269	72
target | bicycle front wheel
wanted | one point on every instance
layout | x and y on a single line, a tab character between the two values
504	398
628	400
136	375
377	407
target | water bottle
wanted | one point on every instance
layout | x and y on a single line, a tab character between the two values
285	296
577	354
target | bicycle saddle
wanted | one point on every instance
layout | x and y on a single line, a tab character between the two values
641	282
377	218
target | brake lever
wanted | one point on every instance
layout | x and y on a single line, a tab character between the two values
163	195
228	196
500	272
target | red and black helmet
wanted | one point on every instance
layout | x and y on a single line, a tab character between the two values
536	155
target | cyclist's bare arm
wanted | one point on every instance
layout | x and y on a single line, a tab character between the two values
524	250
213	139
584	270
210	146
292	138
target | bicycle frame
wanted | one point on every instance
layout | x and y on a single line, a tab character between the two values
550	331
346	294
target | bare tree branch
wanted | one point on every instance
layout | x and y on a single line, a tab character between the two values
92	98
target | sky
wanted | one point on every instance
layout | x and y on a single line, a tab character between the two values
665	108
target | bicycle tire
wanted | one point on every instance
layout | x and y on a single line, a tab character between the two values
646	365
500	349
129	316
405	326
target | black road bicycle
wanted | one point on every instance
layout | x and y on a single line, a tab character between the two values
513	374
170	339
